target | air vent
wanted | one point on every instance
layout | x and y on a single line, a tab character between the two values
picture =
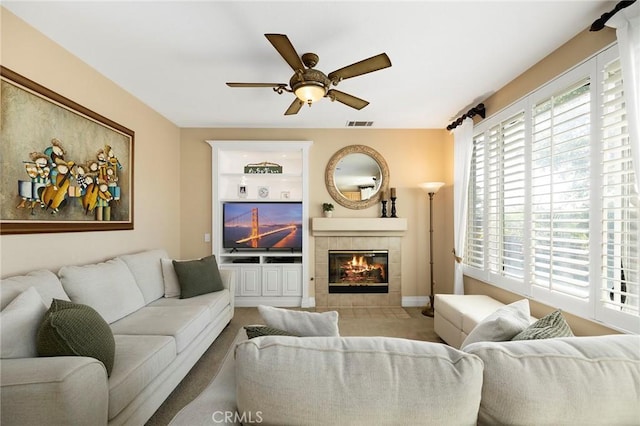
359	123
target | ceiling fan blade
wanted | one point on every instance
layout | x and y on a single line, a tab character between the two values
286	50
294	107
365	66
347	99
255	84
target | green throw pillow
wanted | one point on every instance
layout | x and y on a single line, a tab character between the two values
263	330
73	329
547	327
198	277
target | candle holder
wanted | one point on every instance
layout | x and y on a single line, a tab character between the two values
393	207
384	208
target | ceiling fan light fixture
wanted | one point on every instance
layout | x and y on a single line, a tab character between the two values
310	92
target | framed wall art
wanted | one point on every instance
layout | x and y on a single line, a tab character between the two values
65	168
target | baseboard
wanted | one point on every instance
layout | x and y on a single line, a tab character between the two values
415	301
310	302
283	302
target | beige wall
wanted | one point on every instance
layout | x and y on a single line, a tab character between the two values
413	156
576	50
156	176
581	47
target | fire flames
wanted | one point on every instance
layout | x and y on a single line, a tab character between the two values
358	269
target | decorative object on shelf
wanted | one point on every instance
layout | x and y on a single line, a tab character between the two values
383	201
242	191
285	195
327	208
263	191
263	168
431	188
393	202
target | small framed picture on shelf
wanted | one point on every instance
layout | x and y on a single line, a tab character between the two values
285	195
242	191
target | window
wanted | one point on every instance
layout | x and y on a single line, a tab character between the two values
553	211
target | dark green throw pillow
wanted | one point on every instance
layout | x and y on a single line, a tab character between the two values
263	330
547	327
73	329
198	277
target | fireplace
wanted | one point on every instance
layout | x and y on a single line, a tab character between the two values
358	271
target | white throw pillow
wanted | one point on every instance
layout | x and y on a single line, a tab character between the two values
109	287
20	322
301	323
171	283
501	325
145	268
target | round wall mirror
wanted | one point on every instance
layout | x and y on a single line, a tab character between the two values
356	175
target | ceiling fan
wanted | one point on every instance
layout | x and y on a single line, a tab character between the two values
309	84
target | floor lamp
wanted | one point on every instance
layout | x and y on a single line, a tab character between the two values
431	188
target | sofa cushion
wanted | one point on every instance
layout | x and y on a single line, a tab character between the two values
547	327
215	302
74	329
182	323
301	323
147	270
356	381
198	276
19	324
574	380
501	325
139	360
45	282
110	288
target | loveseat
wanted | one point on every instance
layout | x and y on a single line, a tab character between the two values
317	380
157	341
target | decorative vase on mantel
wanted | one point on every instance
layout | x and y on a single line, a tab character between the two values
328	213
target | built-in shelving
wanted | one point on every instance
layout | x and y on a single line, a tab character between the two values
270	277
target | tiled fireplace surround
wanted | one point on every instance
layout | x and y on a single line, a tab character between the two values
358	234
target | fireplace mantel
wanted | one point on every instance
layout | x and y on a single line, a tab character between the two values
358	226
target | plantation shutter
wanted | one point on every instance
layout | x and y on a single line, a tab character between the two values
474	255
620	204
494	202
513	193
560	175
505	196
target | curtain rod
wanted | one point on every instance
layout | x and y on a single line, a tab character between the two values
478	109
598	24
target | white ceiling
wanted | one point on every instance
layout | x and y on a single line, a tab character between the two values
175	56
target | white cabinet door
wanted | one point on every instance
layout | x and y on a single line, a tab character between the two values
292	280
249	281
271	281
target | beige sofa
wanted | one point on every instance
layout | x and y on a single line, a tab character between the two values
287	380
158	340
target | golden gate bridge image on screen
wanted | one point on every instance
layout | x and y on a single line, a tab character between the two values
262	227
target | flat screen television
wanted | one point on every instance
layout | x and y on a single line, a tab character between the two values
262	225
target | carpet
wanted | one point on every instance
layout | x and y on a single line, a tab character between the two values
408	323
